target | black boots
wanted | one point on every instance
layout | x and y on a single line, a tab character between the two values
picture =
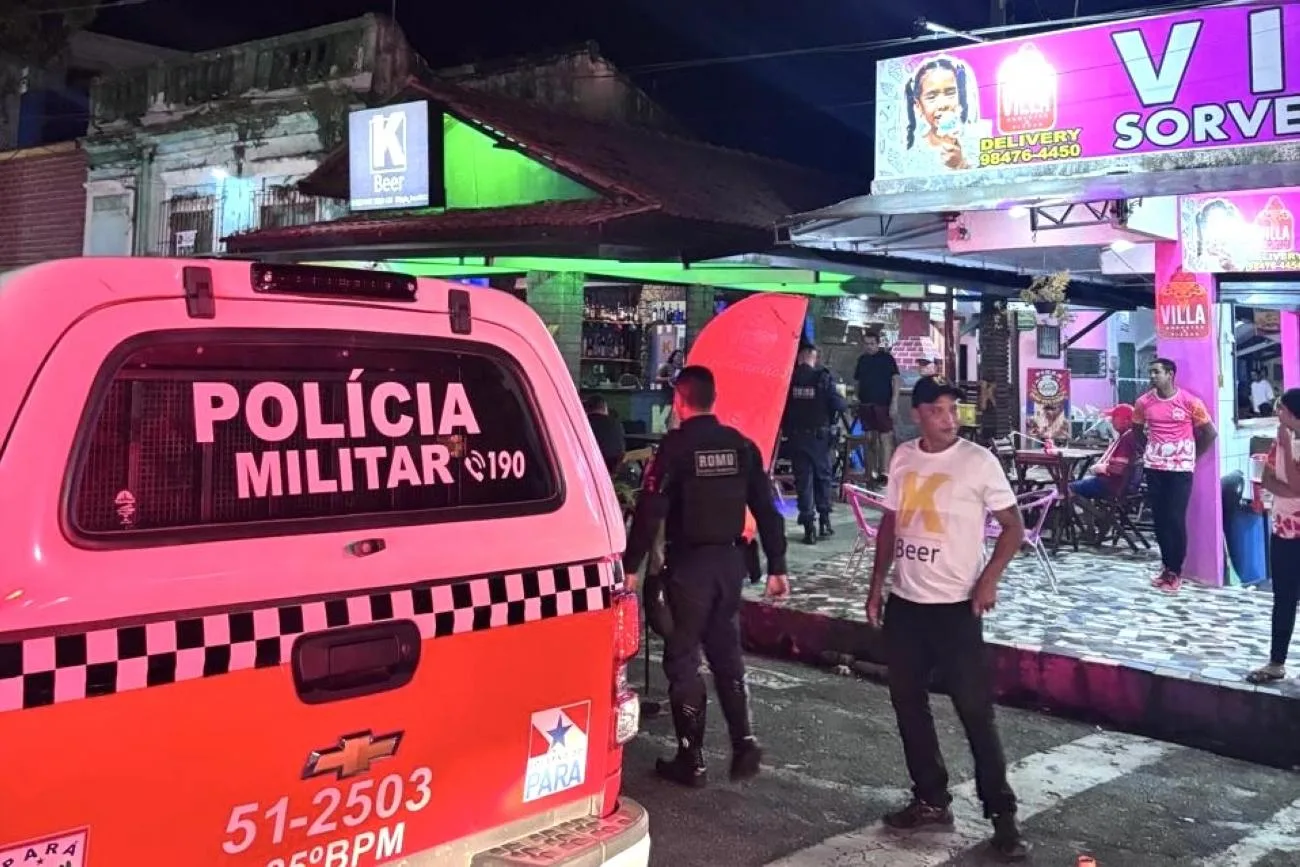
818	529
733	698
687	768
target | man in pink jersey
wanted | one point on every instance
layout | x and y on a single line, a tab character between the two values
1176	429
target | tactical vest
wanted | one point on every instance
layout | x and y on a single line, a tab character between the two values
714	489
806	407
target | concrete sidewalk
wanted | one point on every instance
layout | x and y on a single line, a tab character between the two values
1105	647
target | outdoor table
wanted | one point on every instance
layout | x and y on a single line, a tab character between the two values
1062	466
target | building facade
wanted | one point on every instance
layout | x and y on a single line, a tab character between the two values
185	153
52	104
42	167
42	204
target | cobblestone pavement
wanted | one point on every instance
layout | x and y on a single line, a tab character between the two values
1104	608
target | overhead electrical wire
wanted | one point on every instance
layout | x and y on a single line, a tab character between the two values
905	41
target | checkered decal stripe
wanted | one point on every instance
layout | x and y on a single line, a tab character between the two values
46	670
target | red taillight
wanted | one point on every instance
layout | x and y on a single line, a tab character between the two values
627	641
627	626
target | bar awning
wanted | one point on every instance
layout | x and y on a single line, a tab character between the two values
1253	167
987	278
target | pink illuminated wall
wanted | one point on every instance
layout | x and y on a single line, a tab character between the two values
1198	372
1290	349
1083	391
990	231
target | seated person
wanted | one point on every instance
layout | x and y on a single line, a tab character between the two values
1049	423
1113	473
608	431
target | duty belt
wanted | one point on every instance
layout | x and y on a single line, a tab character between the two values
688	547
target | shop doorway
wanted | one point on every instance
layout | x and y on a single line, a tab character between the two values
1255	304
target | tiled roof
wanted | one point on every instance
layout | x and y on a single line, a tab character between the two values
637	170
413	228
682	177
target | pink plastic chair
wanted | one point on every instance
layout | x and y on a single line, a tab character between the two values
861	499
1027	503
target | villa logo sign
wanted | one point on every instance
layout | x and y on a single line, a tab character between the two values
388	157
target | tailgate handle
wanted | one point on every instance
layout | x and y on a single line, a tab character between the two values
355	661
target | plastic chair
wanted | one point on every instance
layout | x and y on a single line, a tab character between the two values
1027	503
860	499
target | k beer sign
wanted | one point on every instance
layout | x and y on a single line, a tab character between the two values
388	157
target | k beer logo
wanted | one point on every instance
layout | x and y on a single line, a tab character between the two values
918	500
388	142
388	157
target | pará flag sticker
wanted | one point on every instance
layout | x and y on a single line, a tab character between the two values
557	750
57	850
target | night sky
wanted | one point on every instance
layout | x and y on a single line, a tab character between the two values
814	108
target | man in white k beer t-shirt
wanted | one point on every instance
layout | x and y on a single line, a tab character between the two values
941	488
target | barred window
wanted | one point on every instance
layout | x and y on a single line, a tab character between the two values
1086	363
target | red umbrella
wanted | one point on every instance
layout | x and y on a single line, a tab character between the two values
751	348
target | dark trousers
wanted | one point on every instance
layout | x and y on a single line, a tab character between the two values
1169	493
810	458
921	640
1284	563
702	588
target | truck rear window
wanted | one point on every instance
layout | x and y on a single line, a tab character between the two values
237	435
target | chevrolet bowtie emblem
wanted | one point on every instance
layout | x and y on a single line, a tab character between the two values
353	755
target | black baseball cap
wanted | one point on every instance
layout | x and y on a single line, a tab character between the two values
928	389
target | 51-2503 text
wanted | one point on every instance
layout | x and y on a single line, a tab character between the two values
353	805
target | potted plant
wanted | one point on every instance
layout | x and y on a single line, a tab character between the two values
1048	294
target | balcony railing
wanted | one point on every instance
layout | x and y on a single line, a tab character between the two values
193	225
335	53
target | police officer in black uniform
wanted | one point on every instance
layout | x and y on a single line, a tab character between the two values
702	479
810	414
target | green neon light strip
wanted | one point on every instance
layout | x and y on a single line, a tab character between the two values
756	278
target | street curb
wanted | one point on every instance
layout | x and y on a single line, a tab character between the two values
1238	720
